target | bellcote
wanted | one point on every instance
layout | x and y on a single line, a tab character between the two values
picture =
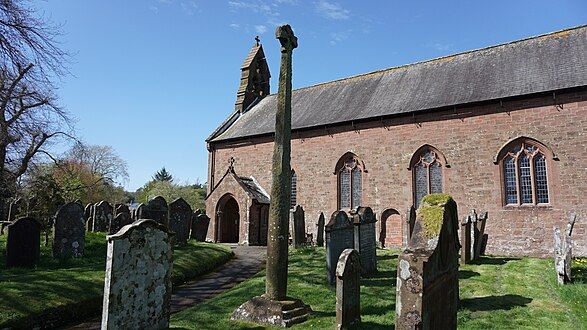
254	84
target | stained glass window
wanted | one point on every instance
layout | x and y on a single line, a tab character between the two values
427	173
524	173
350	183
294	189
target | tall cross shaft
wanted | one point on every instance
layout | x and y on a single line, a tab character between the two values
277	243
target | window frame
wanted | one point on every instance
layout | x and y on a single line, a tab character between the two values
342	165
416	159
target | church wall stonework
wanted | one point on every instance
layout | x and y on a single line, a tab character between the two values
468	136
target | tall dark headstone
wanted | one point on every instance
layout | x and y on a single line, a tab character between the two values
180	217
88	211
23	244
298	225
121	208
139	212
348	289
427	290
157	210
103	214
365	240
479	233
274	307
137	289
339	237
200	226
320	230
466	240
69	231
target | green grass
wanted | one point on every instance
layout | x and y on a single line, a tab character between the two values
498	293
72	289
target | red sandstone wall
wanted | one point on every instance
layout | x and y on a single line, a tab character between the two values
470	138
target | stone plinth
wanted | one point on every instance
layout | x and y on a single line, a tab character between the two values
261	310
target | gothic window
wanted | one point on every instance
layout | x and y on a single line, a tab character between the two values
523	164
427	167
294	189
350	181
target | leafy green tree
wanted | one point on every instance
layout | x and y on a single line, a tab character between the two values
163	175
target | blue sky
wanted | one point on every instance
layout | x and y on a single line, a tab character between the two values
153	78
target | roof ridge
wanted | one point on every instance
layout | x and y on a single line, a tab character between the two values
440	58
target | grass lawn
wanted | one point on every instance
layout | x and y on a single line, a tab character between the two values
503	293
72	290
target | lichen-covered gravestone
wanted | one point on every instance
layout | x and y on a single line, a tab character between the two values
427	289
103	214
563	253
23	243
298	224
320	230
339	237
180	216
157	209
348	289
137	288
365	240
69	232
200	225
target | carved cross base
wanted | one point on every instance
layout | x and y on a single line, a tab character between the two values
261	310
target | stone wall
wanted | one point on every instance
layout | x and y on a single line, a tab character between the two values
469	138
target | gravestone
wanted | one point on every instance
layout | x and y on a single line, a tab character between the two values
427	289
320	230
102	216
121	208
88	211
200	226
180	214
339	237
563	254
466	240
119	221
157	210
138	213
478	233
23	243
298	225
410	220
69	231
14	209
348	289
194	223
365	241
137	289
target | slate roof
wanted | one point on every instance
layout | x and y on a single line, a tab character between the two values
545	63
254	189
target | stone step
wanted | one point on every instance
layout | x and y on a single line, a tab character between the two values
295	320
292	313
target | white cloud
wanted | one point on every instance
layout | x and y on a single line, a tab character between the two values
234	26
338	37
260	29
332	10
188	7
255	6
154	9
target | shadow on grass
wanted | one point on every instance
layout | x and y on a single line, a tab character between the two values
579	274
464	274
492	260
491	303
372	325
386	257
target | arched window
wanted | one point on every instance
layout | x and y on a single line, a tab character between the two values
524	172
350	181
427	171
294	189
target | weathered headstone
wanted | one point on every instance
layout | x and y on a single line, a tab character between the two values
320	230
157	210
563	252
137	289
410	220
365	241
120	220
466	240
339	237
298	225
69	231
479	233
103	214
427	289
138	213
23	244
274	307
200	225
121	208
180	217
88	211
348	289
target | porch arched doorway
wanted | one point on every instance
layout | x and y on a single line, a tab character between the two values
227	220
391	229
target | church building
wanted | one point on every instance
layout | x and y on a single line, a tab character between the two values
502	129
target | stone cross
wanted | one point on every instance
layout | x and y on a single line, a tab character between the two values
320	233
69	231
348	289
277	243
137	288
563	255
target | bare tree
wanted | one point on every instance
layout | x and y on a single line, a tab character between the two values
30	117
102	161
